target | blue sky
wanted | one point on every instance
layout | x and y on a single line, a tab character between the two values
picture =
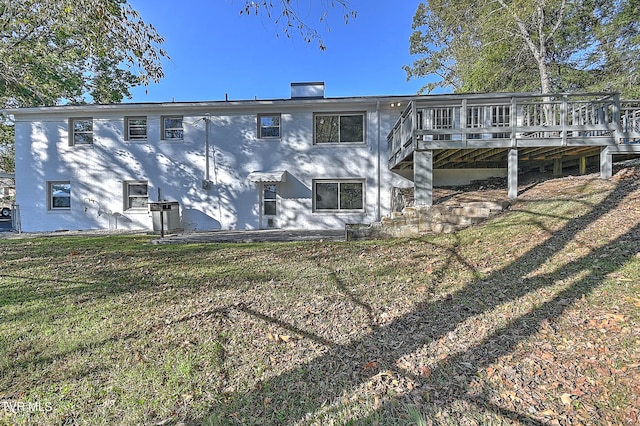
216	51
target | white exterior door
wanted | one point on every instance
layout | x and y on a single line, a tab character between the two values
269	205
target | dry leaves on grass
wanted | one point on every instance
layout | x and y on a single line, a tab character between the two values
530	318
583	370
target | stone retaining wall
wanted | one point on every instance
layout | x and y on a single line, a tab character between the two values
419	220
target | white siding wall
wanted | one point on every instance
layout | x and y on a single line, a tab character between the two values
97	172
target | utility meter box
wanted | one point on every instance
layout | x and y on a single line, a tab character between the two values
170	212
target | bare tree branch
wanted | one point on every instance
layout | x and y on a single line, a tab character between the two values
287	18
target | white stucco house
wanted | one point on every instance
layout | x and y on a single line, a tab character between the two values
303	162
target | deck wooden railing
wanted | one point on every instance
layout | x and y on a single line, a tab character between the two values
630	121
513	120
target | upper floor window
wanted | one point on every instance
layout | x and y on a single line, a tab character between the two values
80	131
135	128
172	128
59	195
136	195
339	128
338	195
268	126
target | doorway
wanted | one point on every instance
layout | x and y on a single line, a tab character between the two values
269	205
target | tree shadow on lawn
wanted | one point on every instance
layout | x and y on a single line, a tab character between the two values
502	341
313	388
111	278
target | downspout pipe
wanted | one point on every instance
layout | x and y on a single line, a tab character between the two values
206	146
207	167
379	201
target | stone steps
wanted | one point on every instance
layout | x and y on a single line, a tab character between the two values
420	220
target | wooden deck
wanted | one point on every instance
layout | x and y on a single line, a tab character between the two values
479	130
517	131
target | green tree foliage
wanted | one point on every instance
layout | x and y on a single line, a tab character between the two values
74	51
527	45
619	55
78	51
71	51
7	157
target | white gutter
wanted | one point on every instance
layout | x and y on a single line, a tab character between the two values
198	107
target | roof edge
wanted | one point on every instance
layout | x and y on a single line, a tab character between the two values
221	104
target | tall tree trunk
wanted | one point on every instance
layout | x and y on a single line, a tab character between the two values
539	52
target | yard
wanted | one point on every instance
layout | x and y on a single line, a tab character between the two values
530	318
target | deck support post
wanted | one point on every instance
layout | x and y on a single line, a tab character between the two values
583	165
423	178
557	167
606	163
513	173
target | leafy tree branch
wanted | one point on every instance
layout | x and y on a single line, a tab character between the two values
527	45
74	51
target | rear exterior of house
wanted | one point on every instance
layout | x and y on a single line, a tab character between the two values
306	162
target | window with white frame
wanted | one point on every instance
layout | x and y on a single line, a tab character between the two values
338	128
59	195
268	126
172	128
135	129
81	131
338	195
136	195
269	199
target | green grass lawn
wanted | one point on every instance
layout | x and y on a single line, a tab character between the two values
529	318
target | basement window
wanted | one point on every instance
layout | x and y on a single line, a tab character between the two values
136	195
59	195
338	195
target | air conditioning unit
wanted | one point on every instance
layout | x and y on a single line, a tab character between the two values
206	184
